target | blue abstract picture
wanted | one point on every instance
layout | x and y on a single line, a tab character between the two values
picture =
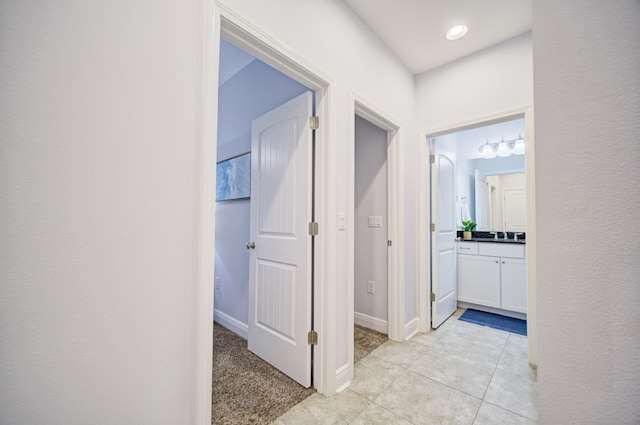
233	178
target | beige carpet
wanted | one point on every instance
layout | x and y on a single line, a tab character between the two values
247	390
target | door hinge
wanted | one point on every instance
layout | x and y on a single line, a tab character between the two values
433	227
432	159
313	228
388	243
433	297
312	338
314	123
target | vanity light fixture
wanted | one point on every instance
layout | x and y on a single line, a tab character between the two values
457	32
503	148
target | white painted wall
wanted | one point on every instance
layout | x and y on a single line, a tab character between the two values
99	158
587	101
358	62
496	79
370	242
253	91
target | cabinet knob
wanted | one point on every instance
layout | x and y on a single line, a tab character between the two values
497	261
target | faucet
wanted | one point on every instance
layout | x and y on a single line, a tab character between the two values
506	235
515	236
495	235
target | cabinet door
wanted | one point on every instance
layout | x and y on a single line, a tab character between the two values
479	280
514	284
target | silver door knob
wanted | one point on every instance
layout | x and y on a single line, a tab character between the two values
251	245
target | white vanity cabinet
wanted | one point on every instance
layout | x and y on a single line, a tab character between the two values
492	275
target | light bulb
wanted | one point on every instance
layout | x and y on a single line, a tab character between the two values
503	149
518	147
457	32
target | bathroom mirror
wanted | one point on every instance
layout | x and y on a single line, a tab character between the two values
492	193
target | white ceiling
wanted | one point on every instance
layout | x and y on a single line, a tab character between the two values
415	29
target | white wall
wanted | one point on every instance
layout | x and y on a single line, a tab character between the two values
370	242
587	102
98	169
253	91
334	40
496	79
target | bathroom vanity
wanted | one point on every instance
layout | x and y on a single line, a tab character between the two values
492	274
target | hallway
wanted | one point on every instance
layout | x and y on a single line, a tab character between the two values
461	373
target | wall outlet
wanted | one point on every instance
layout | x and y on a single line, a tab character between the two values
217	285
371	287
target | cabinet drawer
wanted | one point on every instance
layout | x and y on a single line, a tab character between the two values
468	248
501	250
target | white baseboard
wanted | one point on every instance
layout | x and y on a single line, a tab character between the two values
344	376
371	322
234	325
411	328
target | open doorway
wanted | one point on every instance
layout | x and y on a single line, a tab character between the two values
374	160
263	118
496	194
371	232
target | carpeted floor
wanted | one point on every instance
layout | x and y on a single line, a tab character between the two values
247	390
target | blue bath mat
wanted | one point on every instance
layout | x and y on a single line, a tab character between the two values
496	321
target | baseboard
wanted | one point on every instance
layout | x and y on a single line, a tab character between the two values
344	376
411	328
233	324
371	322
513	314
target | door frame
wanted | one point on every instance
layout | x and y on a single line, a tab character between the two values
219	20
395	282
525	112
395	275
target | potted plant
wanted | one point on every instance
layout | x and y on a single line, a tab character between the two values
469	226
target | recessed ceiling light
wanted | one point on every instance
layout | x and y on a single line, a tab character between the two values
457	32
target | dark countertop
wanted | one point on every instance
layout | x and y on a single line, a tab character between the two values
500	240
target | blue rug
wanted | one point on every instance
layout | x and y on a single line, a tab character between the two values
495	321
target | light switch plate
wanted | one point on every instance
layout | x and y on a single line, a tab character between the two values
342	221
371	287
374	221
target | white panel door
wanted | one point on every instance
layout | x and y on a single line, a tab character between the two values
515	210
280	260
443	215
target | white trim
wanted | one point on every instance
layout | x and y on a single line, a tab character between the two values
343	377
423	228
411	328
371	322
205	229
396	287
271	51
231	323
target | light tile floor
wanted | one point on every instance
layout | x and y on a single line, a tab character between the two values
462	374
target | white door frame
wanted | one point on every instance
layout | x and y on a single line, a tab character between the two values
395	310
423	212
395	275
220	20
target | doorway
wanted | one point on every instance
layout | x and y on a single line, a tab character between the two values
223	23
524	114
371	227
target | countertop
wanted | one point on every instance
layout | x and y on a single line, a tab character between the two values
500	240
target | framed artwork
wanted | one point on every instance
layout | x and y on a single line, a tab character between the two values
233	178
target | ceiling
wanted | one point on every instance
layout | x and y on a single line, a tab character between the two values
415	29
